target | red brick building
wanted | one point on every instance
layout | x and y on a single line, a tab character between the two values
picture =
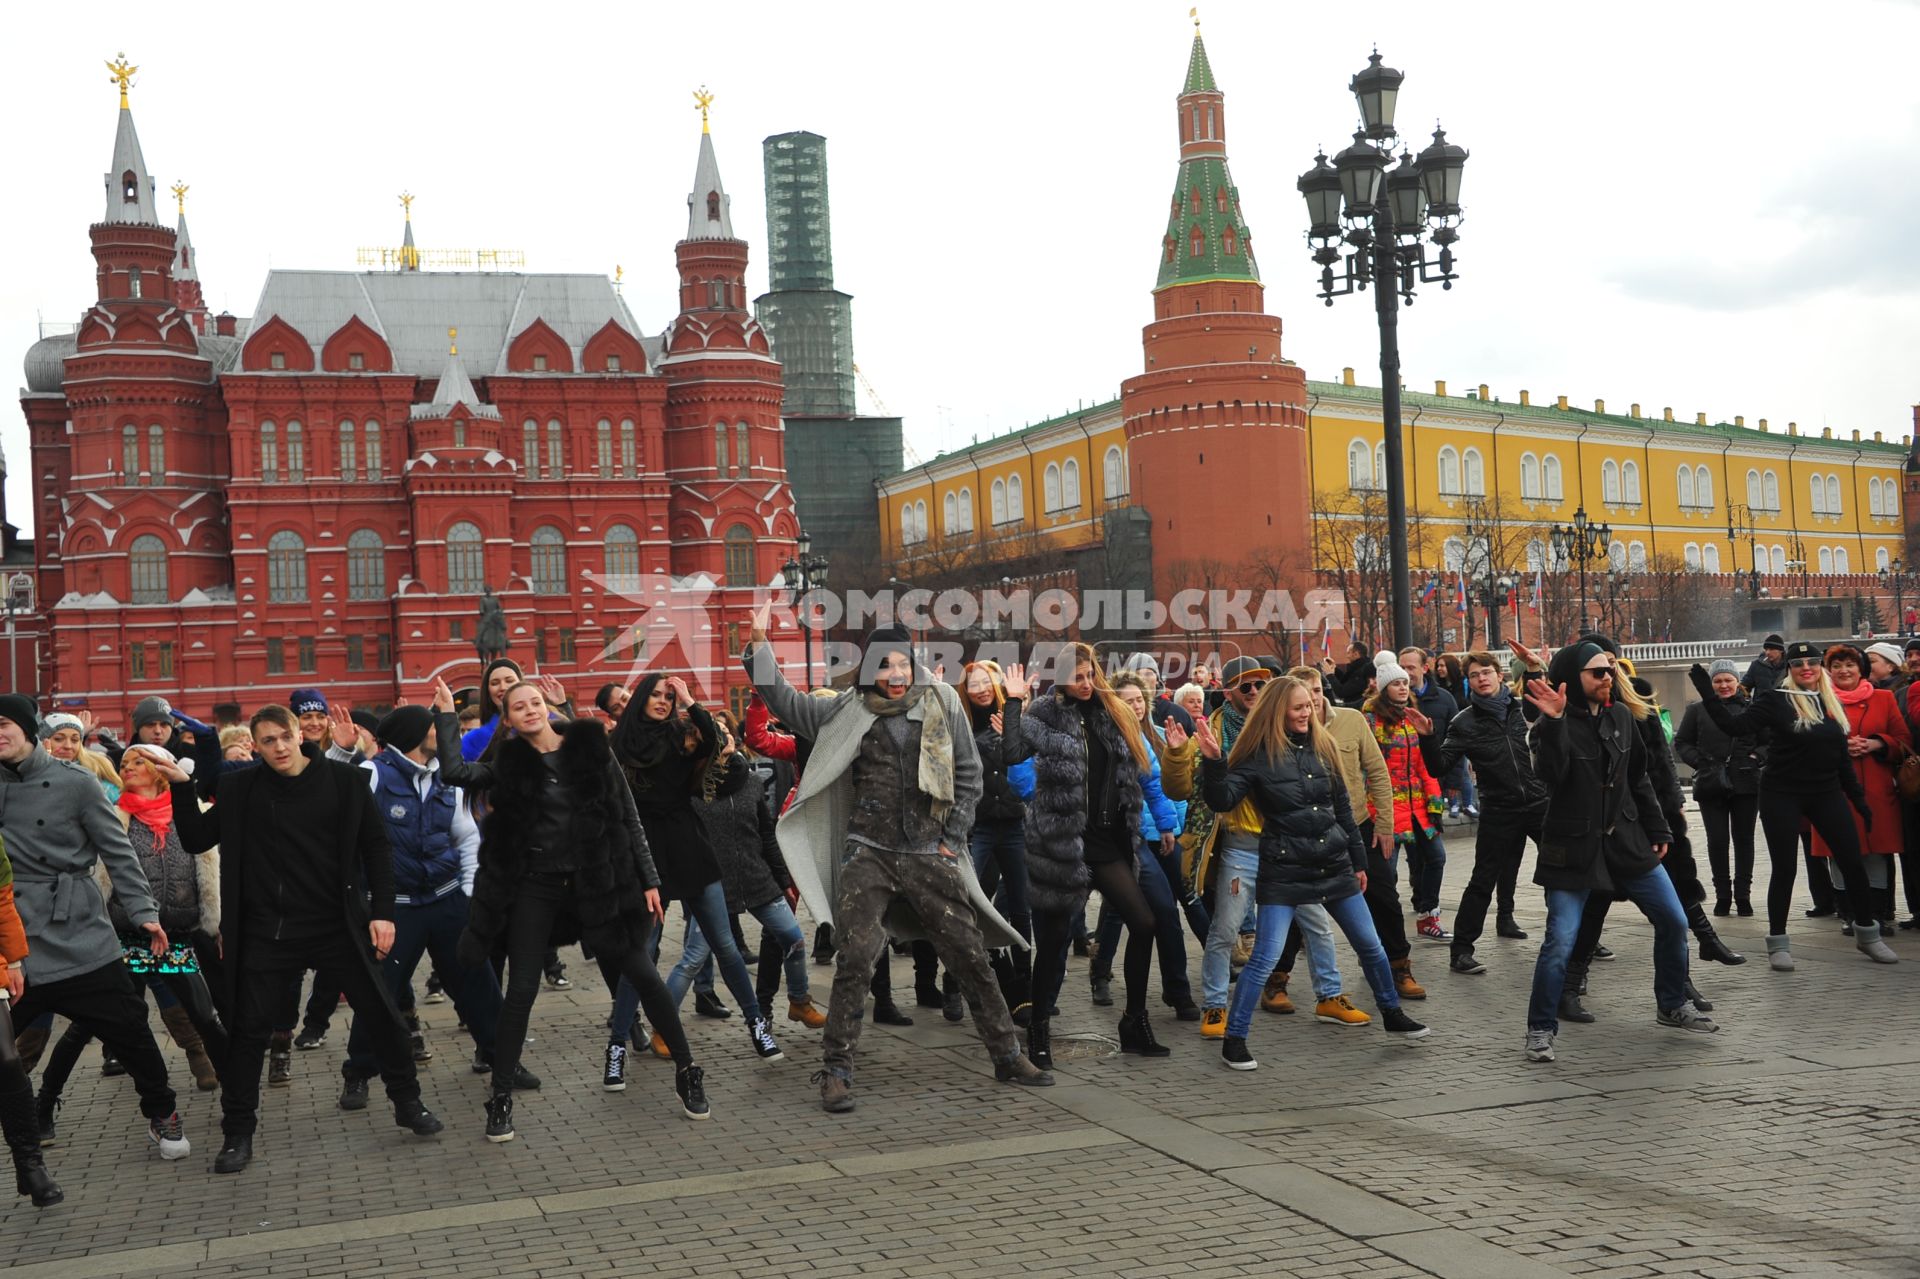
318	495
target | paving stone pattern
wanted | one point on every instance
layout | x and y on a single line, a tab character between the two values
1782	1146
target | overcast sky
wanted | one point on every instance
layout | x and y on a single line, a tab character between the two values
1709	206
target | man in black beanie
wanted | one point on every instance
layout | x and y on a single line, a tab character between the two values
436	850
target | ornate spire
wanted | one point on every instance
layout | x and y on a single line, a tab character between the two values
709	216
455	388
131	194
1199	70
702	99
409	255
184	265
1206	237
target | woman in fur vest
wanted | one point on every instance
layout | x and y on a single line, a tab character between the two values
562	859
1082	827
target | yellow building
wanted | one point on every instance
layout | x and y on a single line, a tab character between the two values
1721	498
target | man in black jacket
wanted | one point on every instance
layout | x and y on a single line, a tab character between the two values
1491	734
1767	668
306	882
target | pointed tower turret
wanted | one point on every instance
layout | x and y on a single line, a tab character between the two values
1216	392
454	390
409	255
186	270
131	195
133	250
713	263
709	212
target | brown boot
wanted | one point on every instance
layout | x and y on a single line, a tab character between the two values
180	1026
30	1043
1274	997
1403	980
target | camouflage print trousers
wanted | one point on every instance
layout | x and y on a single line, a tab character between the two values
871	880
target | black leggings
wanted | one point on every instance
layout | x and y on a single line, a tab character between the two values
1832	818
543	900
189	988
1119	887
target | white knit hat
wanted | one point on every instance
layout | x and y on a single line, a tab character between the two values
162	754
1387	669
1894	657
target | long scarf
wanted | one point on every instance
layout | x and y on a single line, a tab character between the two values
155	812
1232	721
1855	699
936	742
1496	706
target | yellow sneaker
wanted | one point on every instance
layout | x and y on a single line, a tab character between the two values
1213	1023
804	1012
660	1048
1274	997
1340	1012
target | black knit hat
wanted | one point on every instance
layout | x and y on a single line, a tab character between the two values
881	641
366	719
404	727
20	709
1773	641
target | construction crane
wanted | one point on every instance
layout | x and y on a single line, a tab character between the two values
911	455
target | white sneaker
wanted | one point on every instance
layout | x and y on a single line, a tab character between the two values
1686	1017
168	1135
1539	1045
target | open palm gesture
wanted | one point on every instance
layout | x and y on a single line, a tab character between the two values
1549	699
1013	681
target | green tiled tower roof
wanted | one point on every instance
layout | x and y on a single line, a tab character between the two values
1206	205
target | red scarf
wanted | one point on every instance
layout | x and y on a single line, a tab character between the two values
155	813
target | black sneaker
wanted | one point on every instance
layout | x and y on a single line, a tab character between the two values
557	977
953	1006
436	993
524	1080
690	1083
43	1111
1102	992
353	1096
1184	1009
707	1004
615	1078
500	1117
414	1115
235	1154
1398	1023
1602	954
1509	929
482	1062
1466	965
308	1040
760	1035
422	1051
1233	1051
110	1065
280	1064
887	1013
823	945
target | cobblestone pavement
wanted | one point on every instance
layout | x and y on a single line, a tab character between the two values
1785	1145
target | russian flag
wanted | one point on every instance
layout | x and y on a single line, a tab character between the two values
1460	600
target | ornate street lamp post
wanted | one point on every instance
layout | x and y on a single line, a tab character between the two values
1382	217
1582	542
804	573
1899	579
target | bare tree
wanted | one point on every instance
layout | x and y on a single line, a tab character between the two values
1279	568
1351	533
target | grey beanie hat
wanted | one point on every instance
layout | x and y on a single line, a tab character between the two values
1722	666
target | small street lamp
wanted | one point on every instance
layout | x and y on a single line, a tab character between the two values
1900	579
19	599
1582	542
1382	217
804	573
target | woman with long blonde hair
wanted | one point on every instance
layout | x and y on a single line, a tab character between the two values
1288	764
1082	826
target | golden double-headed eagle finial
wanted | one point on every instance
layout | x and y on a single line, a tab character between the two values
406	204
703	98
180	190
123	73
453	346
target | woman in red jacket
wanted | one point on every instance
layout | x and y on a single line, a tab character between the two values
1398	726
1877	739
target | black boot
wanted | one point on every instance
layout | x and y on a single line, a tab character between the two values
1040	1042
1711	947
21	1123
1698	1000
1722	897
1571	1009
823	944
1743	894
1136	1036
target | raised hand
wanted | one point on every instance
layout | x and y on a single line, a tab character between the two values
1421	724
442	697
346	733
171	771
1014	681
1176	735
551	689
1549	699
762	615
1209	744
1530	656
681	697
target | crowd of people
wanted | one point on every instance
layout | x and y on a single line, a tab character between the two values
1265	809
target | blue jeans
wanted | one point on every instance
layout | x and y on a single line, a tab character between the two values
1232	904
1653	894
707	908
1426	863
1168	937
432	928
1350	912
776	918
999	848
1316	934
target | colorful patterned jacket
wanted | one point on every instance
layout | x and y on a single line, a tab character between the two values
1416	793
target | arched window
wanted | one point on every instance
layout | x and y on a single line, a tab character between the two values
373	451
906	524
603	447
1684	482
1529	477
1227	244
1367	553
1710	557
286	568
1880	559
269	454
133	281
296	453
1770	491
1840	563
1702	488
1826	559
1380	466
1833	496
1779	559
1453	554
1113	472
1359	466
156	454
1473	473
713	206
549	561
720	448
629	458
740	555
556	461
1550	472
950	514
1617	556
1819	494
1753	489
1873	496
1693	557
129	454
742	456
1193	196
466	559
1636	557
348	460
997	502
148	559
1449	471
966	510
1051	479
623	558
1016	499
920	521
530	448
1610	481
1070	484
1196	242
1536	555
366	565
1630	483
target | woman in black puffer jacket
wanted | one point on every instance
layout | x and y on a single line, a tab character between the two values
1310	848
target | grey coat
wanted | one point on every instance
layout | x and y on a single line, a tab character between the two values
813	830
57	822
